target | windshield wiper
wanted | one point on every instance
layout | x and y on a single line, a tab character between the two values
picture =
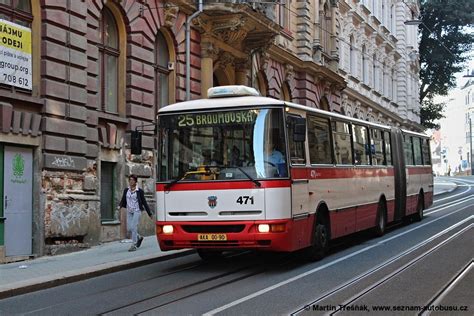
257	183
207	170
169	185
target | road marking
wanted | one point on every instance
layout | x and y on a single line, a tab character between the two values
402	268
302	275
450	197
391	260
436	210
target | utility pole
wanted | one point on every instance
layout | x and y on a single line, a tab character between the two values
470	142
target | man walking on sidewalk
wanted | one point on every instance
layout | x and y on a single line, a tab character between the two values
133	198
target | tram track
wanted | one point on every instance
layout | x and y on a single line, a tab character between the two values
180	292
399	270
446	289
387	264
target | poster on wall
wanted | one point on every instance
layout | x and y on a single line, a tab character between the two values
15	55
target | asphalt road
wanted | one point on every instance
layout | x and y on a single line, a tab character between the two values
416	265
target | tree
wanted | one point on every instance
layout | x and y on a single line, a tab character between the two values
445	40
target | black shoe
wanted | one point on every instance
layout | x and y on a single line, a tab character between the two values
139	242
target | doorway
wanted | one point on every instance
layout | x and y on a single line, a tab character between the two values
17	182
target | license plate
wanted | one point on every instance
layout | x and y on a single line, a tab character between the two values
212	237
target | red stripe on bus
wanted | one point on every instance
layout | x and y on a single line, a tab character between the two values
224	185
338	172
419	170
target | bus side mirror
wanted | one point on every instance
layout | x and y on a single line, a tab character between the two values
299	130
136	143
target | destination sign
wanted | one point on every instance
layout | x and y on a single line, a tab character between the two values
218	118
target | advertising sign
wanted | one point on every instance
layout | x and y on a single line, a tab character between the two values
15	55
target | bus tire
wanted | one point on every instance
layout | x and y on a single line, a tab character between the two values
381	225
210	255
320	243
418	216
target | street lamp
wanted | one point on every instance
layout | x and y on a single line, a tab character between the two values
413	22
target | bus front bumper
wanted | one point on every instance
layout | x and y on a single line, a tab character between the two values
281	235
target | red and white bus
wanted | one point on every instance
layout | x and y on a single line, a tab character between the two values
241	171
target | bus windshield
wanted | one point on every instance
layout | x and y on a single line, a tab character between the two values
222	145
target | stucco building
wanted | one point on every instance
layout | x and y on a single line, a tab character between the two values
98	69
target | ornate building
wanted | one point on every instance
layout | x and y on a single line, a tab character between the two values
379	61
97	69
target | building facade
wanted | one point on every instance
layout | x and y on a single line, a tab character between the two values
97	69
379	61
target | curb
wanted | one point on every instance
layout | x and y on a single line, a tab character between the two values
41	283
455	186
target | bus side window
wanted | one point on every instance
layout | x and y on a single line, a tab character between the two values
417	151
297	149
426	151
376	147
387	149
408	148
342	142
361	145
319	140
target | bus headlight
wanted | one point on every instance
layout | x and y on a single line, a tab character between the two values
263	228
167	229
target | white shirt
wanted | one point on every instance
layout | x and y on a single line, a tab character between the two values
132	200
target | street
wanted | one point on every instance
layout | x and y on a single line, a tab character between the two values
427	264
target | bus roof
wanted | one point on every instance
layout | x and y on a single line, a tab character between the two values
257	101
220	103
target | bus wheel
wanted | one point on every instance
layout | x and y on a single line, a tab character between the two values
379	230
210	255
320	243
419	209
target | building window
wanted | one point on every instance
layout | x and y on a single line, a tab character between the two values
162	71
283	14
108	62
365	78
326	29
394	86
352	56
16	11
375	74
107	185
384	81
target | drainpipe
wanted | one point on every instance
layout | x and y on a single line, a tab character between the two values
188	49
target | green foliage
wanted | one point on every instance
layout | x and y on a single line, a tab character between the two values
445	40
430	113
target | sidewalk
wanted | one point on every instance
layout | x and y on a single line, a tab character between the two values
26	276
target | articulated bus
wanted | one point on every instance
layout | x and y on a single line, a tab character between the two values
241	171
